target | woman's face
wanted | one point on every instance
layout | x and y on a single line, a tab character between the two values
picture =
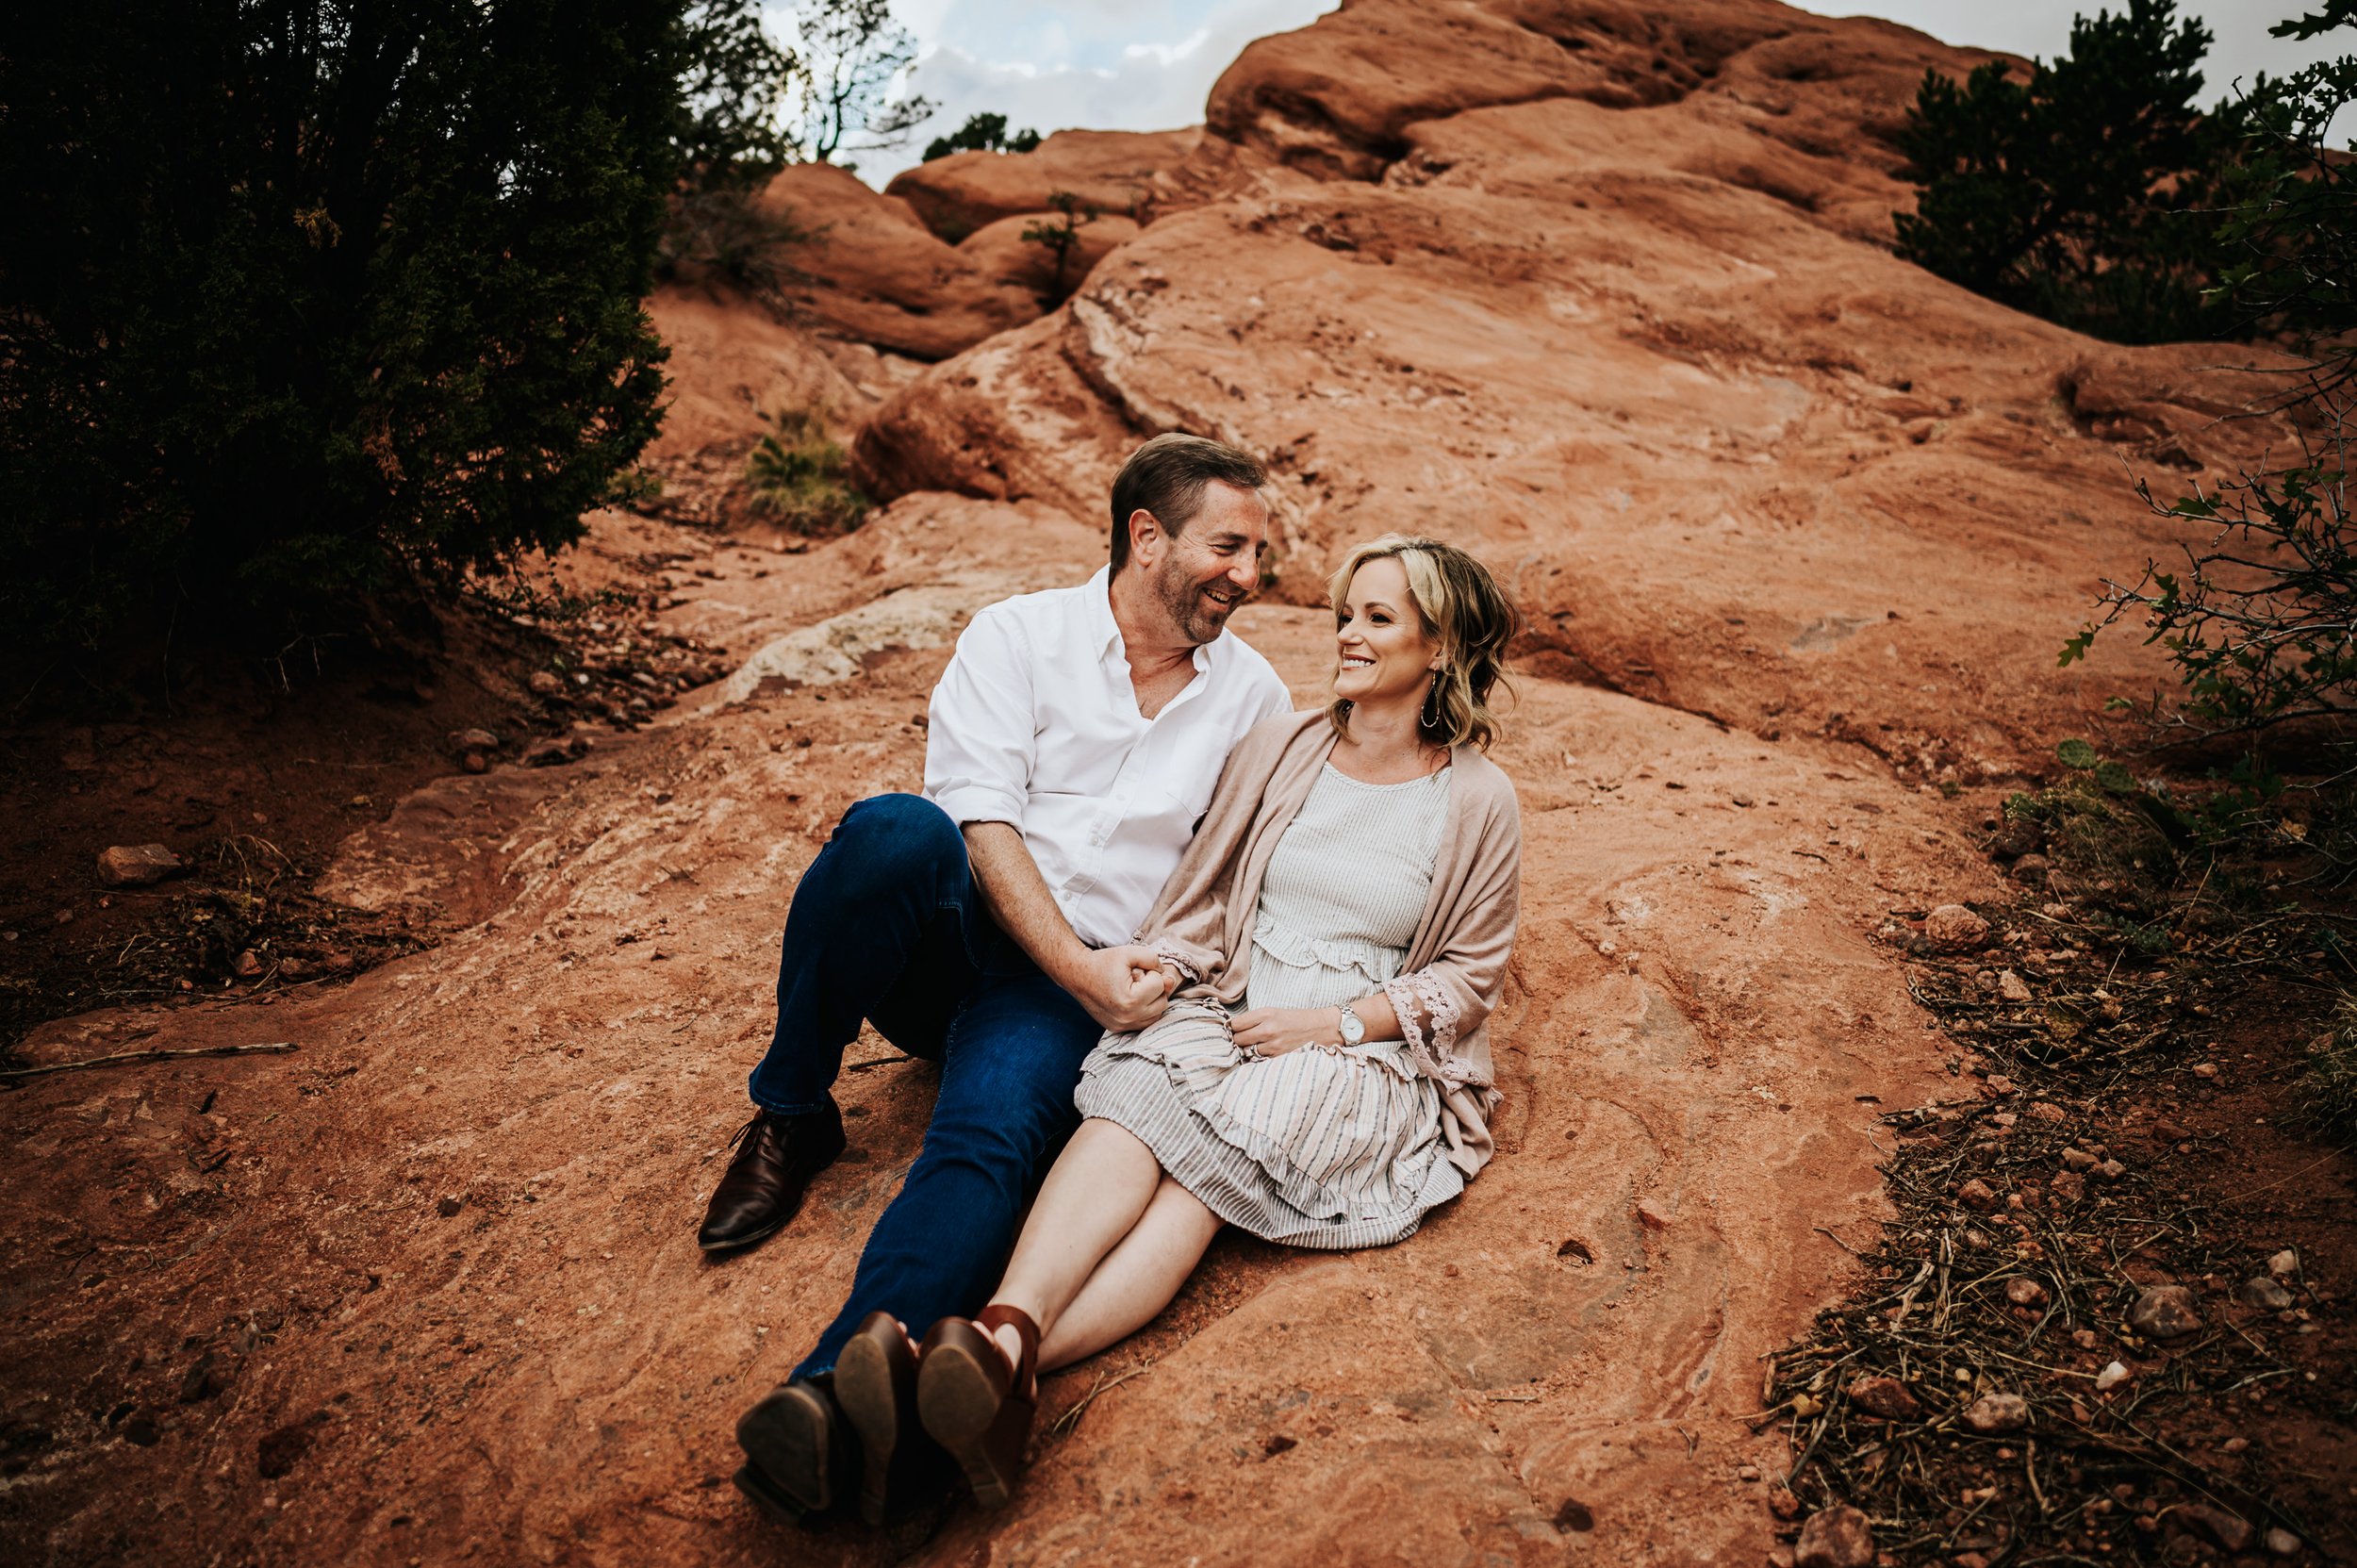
1384	648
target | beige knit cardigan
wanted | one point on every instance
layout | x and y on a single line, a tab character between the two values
1202	920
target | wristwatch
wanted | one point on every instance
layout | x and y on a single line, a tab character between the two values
1353	1030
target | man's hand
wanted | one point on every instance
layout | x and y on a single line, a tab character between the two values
1274	1031
1123	988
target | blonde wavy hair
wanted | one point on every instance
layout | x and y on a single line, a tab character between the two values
1463	609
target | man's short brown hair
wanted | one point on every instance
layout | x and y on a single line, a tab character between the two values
1166	476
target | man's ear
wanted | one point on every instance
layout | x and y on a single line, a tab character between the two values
1145	535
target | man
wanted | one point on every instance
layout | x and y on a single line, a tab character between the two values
1073	745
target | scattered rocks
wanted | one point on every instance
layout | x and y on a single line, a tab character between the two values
1998	1084
138	864
546	684
2022	1291
2011	986
247	964
2033	870
2264	1293
1747	1472
2284	1263
2205	1069
2067	1185
2078	1159
2164	1311
1953	929
1885	1397
2047	1111
472	740
2230	1531
449	1204
2282	1542
1783	1504
2111	1377
553	752
1652	1215
1840	1537
2111	1170
1975	1193
1997	1412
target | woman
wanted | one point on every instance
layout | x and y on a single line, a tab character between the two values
1337	933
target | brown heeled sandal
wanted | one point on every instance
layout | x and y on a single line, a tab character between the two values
970	1404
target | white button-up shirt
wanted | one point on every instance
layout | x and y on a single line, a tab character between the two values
1035	724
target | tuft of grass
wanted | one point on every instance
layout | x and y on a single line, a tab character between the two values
798	476
2329	1089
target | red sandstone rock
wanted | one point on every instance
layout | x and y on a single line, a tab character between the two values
1885	1397
1993	1413
138	864
1732	457
1116	172
1840	1537
875	275
999	251
1953	927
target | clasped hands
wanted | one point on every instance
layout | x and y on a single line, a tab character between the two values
1126	988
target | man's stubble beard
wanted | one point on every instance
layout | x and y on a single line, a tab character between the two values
1182	599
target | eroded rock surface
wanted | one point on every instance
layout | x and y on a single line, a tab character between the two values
1734	454
870	271
1591	289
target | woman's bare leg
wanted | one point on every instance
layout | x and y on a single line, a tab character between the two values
1136	1279
1092	1198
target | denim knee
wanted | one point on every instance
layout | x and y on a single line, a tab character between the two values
889	839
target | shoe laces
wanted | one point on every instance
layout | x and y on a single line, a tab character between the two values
748	1130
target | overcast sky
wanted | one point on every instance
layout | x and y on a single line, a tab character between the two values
1148	64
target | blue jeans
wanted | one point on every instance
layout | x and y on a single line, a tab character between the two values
888	925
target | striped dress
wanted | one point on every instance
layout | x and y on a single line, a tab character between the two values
1314	1147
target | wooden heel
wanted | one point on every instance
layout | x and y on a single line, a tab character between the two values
972	1406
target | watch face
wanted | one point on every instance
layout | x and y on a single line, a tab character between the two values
1353	1030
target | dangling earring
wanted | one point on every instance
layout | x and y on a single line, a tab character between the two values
1430	717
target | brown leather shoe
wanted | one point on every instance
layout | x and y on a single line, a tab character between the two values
776	1157
972	1405
875	1387
800	1448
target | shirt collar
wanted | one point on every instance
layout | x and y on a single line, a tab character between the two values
1105	632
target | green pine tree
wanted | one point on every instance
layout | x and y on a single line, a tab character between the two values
301	302
2079	195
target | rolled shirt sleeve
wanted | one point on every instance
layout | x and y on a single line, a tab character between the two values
981	744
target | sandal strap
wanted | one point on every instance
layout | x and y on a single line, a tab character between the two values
996	1316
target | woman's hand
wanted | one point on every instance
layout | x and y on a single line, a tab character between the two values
1274	1031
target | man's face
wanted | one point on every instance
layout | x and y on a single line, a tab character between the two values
1214	564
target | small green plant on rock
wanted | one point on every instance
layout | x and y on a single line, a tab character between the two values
799	476
1062	238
